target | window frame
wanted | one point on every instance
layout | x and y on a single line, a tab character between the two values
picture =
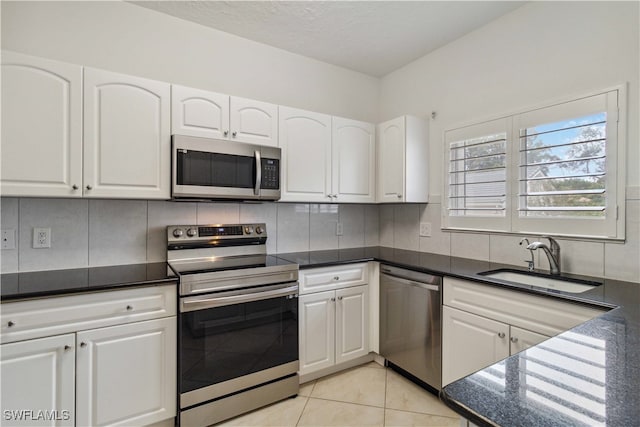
612	227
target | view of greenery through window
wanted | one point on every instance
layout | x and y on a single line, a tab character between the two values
561	171
564	167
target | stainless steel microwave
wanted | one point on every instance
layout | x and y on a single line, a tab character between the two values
214	169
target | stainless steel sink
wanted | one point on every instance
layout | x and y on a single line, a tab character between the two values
547	282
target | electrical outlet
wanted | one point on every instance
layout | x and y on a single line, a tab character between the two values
339	229
9	239
41	238
425	229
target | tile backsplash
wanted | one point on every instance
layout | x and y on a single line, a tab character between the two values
109	232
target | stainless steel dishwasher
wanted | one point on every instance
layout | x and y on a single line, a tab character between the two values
410	323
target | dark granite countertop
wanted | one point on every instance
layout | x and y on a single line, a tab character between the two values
37	284
587	376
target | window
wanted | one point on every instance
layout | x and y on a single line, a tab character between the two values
553	170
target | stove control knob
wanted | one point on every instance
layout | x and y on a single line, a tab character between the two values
177	232
248	230
259	230
192	232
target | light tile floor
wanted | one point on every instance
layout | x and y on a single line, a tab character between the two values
368	395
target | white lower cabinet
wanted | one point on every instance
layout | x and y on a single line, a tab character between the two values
469	343
487	341
38	375
126	375
334	327
120	375
483	324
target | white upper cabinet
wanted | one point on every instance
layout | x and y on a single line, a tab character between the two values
126	136
41	127
254	122
196	112
326	159
305	140
353	161
403	161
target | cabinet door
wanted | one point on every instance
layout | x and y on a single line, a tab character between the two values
39	375
196	112
470	343
254	122
127	374
317	331
353	161
391	165
352	323
41	127
305	140
521	339
126	136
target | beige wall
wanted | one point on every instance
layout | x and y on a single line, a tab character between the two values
540	52
126	38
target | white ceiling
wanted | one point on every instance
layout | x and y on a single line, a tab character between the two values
373	37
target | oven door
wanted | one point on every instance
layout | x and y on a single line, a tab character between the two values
231	341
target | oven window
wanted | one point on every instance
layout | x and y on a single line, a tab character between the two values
222	343
215	170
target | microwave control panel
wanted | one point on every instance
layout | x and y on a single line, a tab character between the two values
270	174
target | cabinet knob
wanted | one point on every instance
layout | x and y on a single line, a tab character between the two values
234	134
129	308
336	278
226	133
501	334
75	187
514	339
399	196
333	299
10	323
339	298
67	347
89	187
83	344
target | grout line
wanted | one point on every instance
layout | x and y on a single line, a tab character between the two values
305	406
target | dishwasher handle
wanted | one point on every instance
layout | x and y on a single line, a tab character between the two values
414	283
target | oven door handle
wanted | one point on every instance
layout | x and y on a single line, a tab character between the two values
201	303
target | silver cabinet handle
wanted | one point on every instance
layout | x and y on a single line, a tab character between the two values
501	334
336	278
67	347
399	196
339	298
83	344
234	134
333	299
129	308
514	340
89	187
10	323
226	132
75	187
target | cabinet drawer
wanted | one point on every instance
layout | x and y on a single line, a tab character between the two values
328	278
58	315
543	315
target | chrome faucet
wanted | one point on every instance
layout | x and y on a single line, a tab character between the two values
552	251
531	264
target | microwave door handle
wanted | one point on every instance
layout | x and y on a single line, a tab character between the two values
256	189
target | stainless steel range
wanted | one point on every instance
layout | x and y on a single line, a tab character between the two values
238	340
